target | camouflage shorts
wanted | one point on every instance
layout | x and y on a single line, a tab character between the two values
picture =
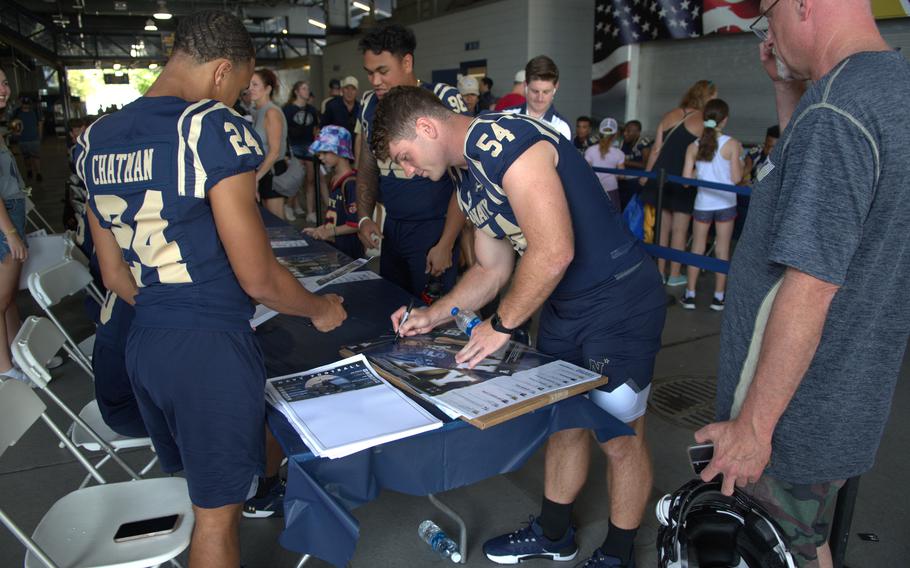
803	512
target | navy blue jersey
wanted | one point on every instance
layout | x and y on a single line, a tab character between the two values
603	246
342	209
411	198
148	170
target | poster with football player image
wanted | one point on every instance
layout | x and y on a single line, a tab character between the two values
427	362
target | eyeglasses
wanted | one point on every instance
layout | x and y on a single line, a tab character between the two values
760	26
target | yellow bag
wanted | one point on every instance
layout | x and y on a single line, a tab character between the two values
650	221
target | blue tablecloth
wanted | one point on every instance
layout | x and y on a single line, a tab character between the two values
321	492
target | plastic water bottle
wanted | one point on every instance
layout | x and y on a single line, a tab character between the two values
466	320
431	534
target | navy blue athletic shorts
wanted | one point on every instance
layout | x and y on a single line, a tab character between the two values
613	329
404	253
202	397
114	392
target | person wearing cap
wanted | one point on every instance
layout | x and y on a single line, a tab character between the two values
333	146
343	111
470	92
516	96
605	155
541	84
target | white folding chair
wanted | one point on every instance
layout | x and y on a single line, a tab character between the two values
32	213
50	286
45	251
78	530
38	340
77	190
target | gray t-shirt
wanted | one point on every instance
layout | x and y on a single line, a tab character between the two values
831	202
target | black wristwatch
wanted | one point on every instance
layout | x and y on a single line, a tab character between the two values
496	322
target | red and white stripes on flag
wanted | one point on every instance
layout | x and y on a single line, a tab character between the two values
620	23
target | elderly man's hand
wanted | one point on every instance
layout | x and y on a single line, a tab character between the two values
740	453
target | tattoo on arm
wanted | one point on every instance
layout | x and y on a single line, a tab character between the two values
367	181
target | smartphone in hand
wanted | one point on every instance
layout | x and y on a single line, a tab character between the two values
700	456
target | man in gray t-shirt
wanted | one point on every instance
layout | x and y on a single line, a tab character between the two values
817	320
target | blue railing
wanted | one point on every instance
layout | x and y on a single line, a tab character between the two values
673	255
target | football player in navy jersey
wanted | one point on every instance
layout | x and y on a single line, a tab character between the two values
171	184
423	221
525	187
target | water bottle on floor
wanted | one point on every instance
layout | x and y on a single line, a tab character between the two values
466	320
431	534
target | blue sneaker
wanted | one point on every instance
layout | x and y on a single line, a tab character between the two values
677	280
269	505
601	560
529	542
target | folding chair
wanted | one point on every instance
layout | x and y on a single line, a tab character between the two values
79	529
46	251
38	340
31	213
50	286
77	190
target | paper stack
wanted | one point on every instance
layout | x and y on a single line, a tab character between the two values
346	407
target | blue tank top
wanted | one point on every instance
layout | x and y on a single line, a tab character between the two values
148	170
411	198
604	247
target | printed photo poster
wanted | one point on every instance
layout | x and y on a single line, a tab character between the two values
314	264
427	362
343	378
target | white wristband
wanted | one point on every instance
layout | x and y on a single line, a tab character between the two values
360	223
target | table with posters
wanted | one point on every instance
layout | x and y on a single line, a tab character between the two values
321	492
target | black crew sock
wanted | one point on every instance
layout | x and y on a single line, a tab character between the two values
555	519
619	543
265	485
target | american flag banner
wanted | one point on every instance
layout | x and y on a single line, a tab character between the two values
619	24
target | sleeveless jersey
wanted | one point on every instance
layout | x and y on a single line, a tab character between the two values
148	170
603	246
411	198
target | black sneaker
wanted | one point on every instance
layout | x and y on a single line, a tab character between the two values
529	542
717	305
601	560
271	504
687	303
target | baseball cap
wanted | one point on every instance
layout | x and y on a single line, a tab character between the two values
608	126
350	81
334	139
334	84
468	85
520	76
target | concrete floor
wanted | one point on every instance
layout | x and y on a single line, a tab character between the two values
35	472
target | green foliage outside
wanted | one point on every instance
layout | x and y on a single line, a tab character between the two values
87	82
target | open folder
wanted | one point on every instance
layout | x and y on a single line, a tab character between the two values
345	407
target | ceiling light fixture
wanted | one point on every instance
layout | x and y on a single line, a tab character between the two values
153	66
317	23
117	66
362	6
163	13
150	25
